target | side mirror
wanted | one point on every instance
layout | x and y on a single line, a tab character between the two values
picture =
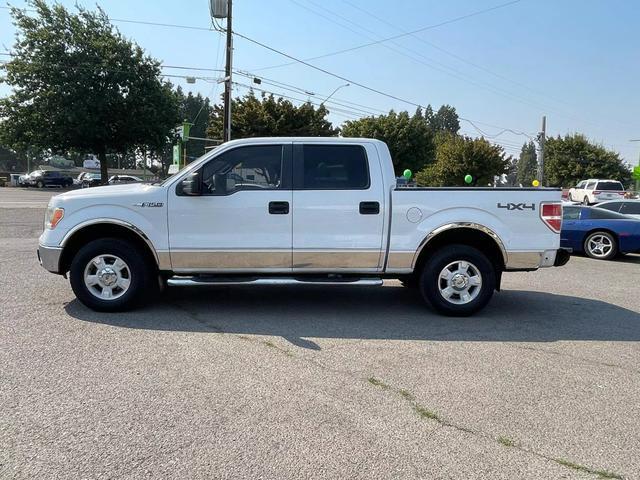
191	184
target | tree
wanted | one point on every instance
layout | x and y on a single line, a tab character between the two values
268	116
458	156
444	120
572	158
410	138
79	84
527	164
195	109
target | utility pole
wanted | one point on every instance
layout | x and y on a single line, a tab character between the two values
226	127
542	136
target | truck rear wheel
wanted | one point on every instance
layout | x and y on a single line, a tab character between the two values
458	280
111	275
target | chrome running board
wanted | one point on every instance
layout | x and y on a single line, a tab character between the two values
202	280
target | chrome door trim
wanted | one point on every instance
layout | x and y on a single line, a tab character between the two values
199	260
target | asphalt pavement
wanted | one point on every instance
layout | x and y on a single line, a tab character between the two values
310	382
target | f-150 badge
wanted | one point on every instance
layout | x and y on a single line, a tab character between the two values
517	206
148	204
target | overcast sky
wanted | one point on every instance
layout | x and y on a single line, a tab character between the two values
575	61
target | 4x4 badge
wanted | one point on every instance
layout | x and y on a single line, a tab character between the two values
518	206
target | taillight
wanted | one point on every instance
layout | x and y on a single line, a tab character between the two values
551	215
597	192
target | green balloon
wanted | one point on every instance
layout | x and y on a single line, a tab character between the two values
407	174
468	178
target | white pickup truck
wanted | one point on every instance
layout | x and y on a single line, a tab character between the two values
297	210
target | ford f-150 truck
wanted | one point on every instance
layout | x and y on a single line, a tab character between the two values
297	210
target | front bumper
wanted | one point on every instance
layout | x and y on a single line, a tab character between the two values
49	258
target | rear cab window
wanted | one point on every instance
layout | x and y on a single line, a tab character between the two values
331	167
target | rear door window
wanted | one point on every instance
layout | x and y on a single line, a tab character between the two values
590	186
331	167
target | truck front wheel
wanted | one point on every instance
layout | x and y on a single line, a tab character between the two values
458	280
110	275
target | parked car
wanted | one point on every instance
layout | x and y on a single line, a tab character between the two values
49	178
629	208
91	180
594	191
599	233
276	211
23	180
117	179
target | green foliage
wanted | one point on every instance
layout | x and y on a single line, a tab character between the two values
410	138
444	120
573	158
195	109
458	156
269	117
527	165
79	84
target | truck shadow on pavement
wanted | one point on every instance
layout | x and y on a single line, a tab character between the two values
389	313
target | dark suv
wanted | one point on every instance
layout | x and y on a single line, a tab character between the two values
49	178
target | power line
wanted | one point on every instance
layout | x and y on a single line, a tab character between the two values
405	34
297	60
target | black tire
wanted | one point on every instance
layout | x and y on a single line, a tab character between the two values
430	281
569	199
40	184
585	201
607	237
142	276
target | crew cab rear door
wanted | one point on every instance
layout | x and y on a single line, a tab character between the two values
338	207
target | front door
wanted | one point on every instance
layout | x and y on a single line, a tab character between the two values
338	208
242	220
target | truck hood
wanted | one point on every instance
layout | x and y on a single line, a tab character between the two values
109	194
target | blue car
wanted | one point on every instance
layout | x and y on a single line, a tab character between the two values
599	233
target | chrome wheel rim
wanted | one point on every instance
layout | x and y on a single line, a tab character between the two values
599	245
107	277
460	282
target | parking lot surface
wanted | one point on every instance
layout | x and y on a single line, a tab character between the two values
310	382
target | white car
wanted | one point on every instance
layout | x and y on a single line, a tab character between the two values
630	208
594	190
117	179
277	211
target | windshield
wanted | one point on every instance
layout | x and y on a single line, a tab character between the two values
609	186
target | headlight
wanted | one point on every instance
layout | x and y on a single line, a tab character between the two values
53	217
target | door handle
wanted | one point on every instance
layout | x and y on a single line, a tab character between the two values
369	208
278	208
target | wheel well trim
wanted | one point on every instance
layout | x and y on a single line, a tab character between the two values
455	225
113	221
